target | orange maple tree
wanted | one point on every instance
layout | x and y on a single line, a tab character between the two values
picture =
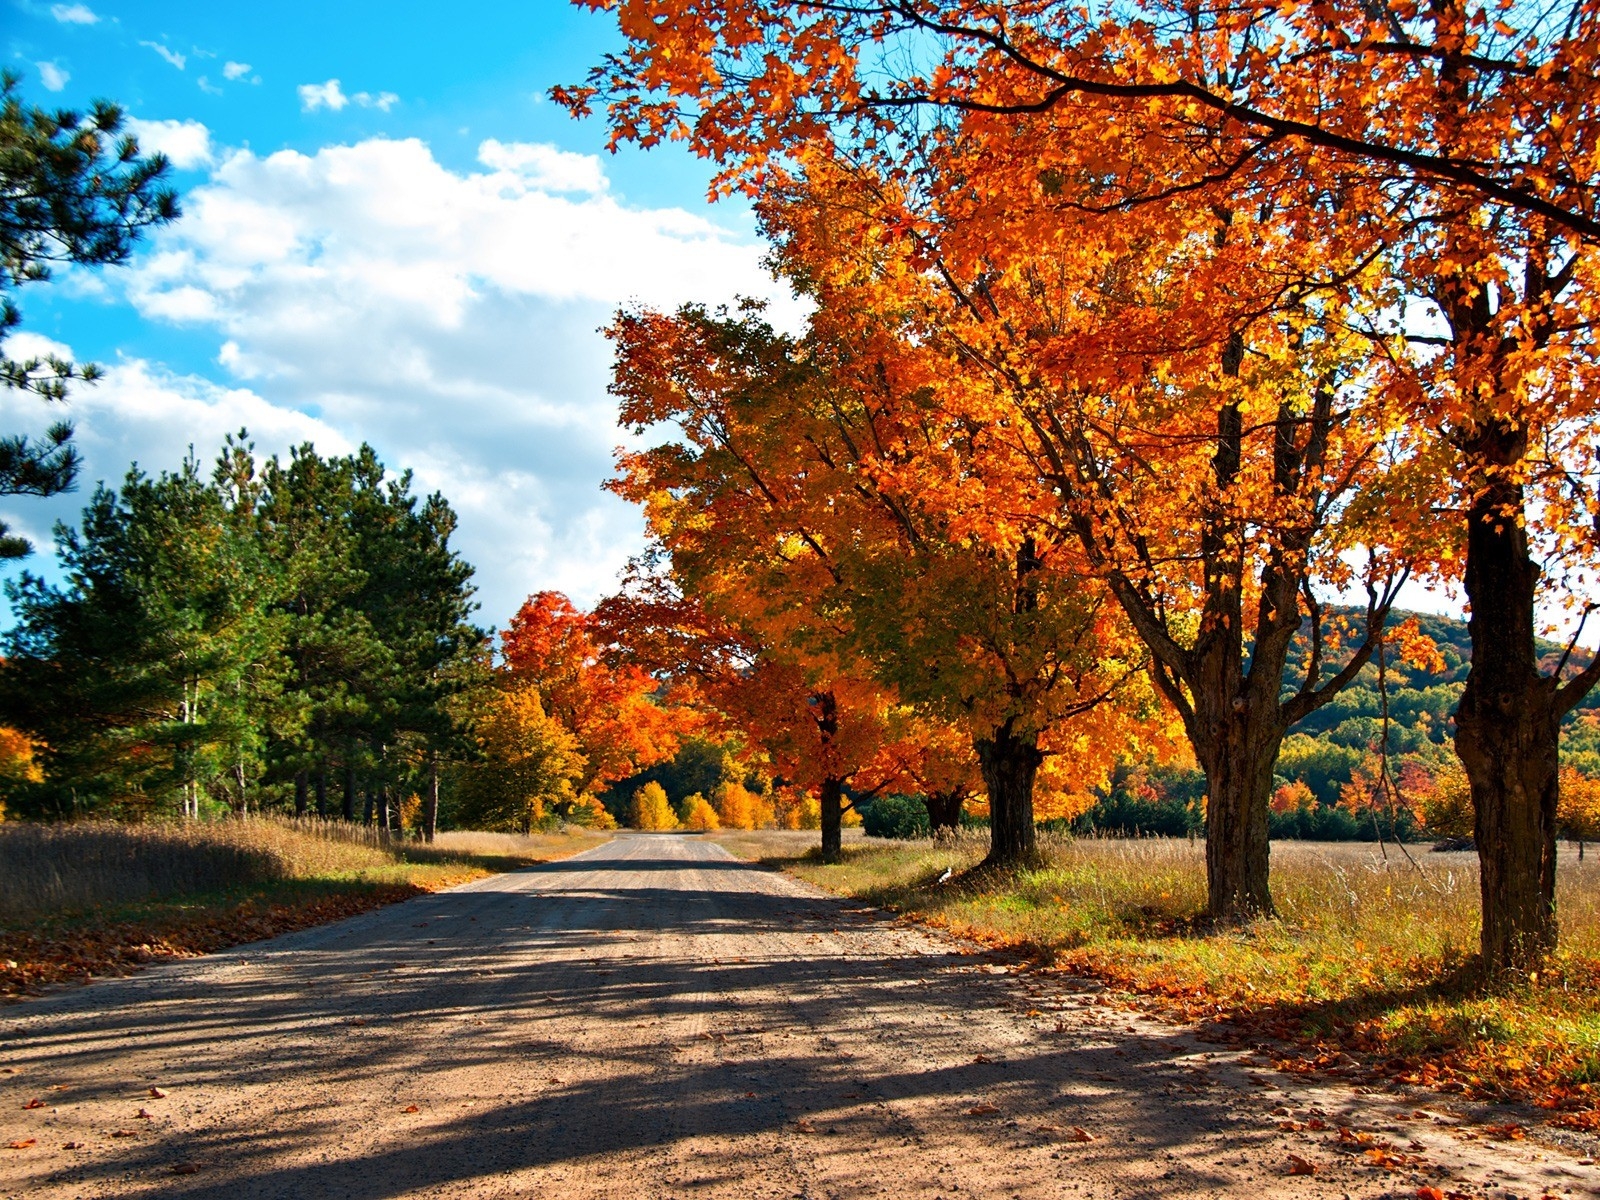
1420	181
613	710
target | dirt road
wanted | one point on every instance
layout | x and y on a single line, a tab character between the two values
656	1019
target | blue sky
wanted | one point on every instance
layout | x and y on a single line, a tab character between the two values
390	235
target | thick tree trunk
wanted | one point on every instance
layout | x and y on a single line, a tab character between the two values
1238	765
944	811
383	808
1010	763
430	805
322	792
1508	736
300	793
832	803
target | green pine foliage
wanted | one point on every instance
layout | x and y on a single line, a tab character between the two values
270	637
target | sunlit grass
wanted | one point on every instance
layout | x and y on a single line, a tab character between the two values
1372	951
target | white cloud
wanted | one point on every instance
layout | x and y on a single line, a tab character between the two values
383	100
235	70
545	168
450	318
322	95
172	56
186	143
74	14
330	95
206	86
52	76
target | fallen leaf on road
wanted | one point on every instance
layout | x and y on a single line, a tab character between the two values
34	1103
1079	1134
1316	1124
126	1133
410	1108
143	1114
982	1058
356	1021
1429	1193
805	1126
1290	1126
23	1144
1506	1133
73	1145
1301	1166
158	1093
982	1110
185	1168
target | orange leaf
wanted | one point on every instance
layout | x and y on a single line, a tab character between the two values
982	1110
1301	1166
410	1108
23	1144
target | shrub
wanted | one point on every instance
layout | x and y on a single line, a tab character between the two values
902	817
649	809
698	814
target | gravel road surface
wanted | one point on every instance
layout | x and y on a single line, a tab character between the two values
655	1018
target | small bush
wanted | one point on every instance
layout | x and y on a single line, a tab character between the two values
902	817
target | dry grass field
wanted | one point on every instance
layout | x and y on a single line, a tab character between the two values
93	898
1368	954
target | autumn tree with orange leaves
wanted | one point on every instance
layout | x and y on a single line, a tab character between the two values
782	474
617	723
1426	175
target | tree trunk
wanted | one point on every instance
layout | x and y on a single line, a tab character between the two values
1508	732
349	792
944	811
832	804
1010	763
300	793
430	806
370	794
1238	769
383	807
322	792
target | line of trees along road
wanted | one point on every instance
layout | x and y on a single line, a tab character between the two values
1235	302
294	633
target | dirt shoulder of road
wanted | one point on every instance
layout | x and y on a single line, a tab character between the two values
1362	1039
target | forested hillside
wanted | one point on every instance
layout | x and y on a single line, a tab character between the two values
1328	770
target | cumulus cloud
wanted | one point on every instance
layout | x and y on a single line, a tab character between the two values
449	317
235	70
52	76
186	143
543	167
331	95
74	14
322	95
172	56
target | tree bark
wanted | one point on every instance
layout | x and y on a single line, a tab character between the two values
322	792
1010	763
1238	765
430	806
349	792
300	793
831	800
382	805
1508	729
944	811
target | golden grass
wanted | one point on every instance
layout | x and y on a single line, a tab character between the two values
82	900
62	868
1370	953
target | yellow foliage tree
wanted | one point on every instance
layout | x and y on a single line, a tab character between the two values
737	806
699	816
529	768
649	809
1578	813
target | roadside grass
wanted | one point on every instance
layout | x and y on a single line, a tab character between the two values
1368	968
97	898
